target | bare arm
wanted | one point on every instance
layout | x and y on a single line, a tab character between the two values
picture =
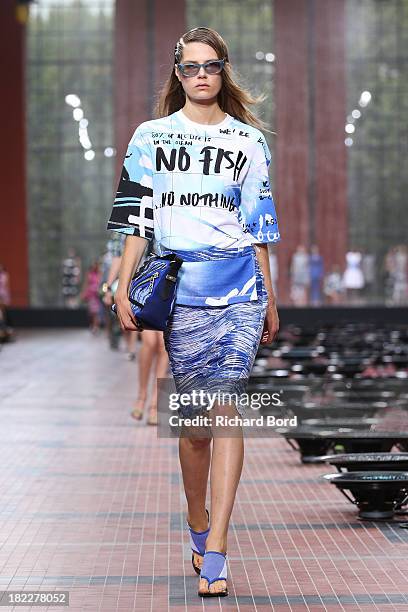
112	276
132	254
114	270
271	326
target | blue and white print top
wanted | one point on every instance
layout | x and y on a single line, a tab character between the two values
201	191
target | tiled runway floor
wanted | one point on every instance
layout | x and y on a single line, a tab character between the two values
92	502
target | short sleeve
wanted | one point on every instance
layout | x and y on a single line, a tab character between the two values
132	211
257	212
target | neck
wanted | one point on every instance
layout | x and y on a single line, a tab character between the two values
208	113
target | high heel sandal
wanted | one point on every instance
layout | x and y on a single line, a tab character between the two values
214	568
138	410
152	419
197	542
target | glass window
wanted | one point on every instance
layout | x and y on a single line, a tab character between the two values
69	52
377	63
247	28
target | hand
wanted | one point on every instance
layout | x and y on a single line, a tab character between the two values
271	325
127	319
108	298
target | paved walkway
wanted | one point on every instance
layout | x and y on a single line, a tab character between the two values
92	502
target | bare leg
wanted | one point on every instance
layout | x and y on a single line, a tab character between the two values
146	355
162	364
131	338
226	467
94	323
195	456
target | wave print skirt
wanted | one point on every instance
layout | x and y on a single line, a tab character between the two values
213	348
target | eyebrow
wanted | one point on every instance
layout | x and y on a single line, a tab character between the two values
191	61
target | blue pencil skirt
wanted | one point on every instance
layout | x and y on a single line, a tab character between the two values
213	348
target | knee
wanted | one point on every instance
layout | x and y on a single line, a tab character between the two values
197	443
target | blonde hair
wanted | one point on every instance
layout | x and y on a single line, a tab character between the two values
232	98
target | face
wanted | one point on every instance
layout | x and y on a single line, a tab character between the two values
203	87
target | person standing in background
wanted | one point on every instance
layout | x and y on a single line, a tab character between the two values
90	295
273	265
316	276
5	300
353	277
113	253
333	287
368	267
400	272
71	279
300	276
4	290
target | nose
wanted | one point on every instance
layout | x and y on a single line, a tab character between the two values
202	72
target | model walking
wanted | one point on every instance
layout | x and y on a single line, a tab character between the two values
196	180
90	294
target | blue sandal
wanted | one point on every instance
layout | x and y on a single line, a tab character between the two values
197	542
214	568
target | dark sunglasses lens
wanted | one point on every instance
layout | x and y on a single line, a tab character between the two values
213	67
190	69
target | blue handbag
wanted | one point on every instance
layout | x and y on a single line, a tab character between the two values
152	290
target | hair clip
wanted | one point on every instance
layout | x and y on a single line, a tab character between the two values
178	49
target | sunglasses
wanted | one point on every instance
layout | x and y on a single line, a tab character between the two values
191	69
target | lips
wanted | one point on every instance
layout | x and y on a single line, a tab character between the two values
202	85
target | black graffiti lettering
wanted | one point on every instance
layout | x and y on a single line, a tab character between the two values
218	200
209	199
170	164
161	158
220	157
238	165
218	160
265	194
227	155
221	154
167	198
210	156
184	159
189	199
207	159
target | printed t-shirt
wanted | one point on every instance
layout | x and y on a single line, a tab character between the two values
201	191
